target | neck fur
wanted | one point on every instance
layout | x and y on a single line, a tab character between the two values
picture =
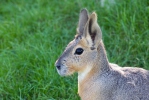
103	62
99	67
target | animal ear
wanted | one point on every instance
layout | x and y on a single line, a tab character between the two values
82	21
92	31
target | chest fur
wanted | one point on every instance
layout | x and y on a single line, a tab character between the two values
95	89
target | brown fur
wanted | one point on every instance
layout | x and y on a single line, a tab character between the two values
97	78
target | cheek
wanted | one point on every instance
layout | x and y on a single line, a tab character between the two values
80	61
88	58
76	59
74	62
93	56
71	62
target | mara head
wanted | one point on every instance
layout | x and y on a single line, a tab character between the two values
83	50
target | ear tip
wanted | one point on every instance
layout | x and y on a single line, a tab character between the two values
94	15
84	10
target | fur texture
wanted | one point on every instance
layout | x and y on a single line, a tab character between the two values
97	78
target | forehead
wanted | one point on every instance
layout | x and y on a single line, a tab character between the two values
73	43
77	41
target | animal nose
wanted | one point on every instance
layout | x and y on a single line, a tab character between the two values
58	67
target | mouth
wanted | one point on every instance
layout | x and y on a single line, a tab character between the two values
62	72
65	71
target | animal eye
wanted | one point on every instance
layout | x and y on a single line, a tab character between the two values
79	51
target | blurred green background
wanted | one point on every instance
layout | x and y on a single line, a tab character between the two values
33	34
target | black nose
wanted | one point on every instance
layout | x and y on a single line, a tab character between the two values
58	67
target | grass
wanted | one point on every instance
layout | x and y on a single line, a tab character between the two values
33	34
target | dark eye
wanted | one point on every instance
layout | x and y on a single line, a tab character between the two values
79	51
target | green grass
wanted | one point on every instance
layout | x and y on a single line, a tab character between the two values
33	34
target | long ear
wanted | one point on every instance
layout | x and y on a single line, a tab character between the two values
92	31
82	21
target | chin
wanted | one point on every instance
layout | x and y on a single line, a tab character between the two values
65	72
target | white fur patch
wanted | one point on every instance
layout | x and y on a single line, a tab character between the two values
82	75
